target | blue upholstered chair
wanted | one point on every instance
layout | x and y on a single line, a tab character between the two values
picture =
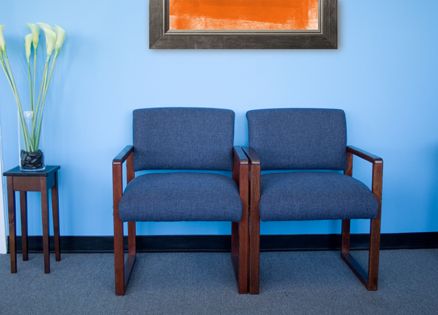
181	139
312	145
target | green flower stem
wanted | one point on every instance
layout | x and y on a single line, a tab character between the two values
9	75
40	95
38	106
52	70
29	75
43	103
34	74
6	72
32	80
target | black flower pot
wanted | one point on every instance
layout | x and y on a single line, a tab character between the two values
32	161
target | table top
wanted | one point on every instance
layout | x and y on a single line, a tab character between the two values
16	171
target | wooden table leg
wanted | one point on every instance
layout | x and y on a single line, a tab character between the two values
12	230
55	211
24	242
45	217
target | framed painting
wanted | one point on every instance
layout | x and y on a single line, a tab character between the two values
243	24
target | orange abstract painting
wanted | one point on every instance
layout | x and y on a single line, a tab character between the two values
244	15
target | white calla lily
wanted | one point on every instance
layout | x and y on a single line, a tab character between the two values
50	36
28	46
60	37
50	41
35	29
2	40
44	26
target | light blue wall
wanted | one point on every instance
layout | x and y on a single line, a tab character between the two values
384	75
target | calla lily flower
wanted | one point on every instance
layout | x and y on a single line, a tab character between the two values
60	37
50	40
28	46
35	29
50	37
44	26
2	40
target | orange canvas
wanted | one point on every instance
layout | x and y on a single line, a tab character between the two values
244	15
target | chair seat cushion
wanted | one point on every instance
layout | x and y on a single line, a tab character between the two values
181	197
315	196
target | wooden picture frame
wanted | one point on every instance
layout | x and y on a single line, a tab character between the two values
161	37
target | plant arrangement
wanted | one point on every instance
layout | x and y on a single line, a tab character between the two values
31	120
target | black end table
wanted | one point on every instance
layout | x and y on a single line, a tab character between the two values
23	182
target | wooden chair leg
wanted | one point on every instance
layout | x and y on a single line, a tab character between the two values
243	276
132	251
240	254
234	239
370	278
122	268
132	235
373	263
235	250
119	263
345	248
254	257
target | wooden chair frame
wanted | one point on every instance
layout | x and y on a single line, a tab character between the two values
239	237
370	279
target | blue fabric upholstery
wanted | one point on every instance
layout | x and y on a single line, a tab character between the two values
183	138
314	196
298	138
181	197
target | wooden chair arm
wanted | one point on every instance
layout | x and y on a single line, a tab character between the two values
252	156
364	155
240	164
377	177
127	154
240	155
241	177
254	187
124	154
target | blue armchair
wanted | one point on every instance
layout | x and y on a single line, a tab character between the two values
181	139
312	180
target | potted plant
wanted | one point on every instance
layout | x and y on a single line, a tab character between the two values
31	157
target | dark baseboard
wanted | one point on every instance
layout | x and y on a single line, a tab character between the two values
221	243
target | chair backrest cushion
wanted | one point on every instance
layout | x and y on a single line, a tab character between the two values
299	138
183	138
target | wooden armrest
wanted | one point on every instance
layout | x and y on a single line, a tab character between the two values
240	162
255	175
252	156
364	155
241	178
377	175
240	155
124	154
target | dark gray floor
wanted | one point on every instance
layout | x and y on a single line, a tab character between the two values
203	283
